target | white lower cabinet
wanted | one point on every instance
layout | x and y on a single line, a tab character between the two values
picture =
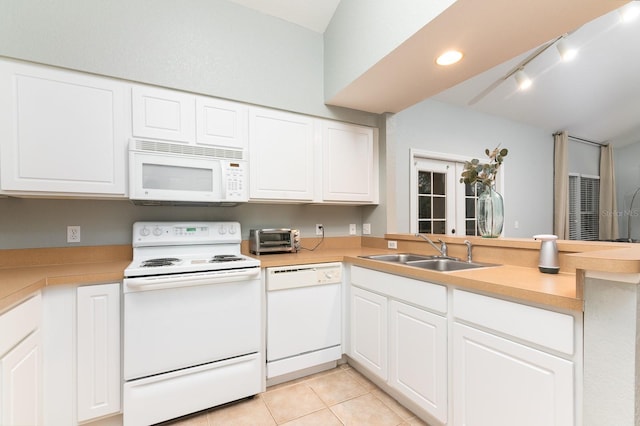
369	330
98	350
498	382
418	356
459	358
21	364
82	370
399	334
513	364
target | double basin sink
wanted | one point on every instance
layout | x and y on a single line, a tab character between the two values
433	263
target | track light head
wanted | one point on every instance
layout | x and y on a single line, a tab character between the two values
524	82
567	52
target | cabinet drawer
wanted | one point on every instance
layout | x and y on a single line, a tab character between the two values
419	293
19	322
539	326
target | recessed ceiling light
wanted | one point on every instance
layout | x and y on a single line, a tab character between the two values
449	57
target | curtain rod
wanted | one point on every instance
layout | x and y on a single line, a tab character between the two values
587	141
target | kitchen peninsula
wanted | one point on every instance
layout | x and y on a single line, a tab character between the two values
597	286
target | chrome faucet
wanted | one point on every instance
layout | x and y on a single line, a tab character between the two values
468	244
443	246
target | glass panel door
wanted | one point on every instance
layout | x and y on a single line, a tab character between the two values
433	198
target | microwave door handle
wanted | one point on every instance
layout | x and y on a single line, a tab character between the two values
157	283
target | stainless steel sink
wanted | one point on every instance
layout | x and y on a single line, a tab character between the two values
447	265
399	258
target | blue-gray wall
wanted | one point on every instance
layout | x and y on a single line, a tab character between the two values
528	169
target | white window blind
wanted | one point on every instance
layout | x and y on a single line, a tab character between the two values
584	207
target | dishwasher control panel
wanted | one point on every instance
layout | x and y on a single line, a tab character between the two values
297	276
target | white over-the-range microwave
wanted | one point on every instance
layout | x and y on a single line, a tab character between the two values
165	173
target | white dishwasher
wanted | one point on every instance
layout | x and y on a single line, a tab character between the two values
303	317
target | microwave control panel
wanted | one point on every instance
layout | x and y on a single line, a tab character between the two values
234	174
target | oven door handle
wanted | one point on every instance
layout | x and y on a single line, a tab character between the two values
176	281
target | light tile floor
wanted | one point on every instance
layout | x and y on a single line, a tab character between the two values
340	396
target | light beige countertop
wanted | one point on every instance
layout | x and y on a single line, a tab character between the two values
25	271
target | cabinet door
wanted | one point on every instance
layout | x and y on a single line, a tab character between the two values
163	114
20	383
98	351
281	155
65	131
349	163
369	330
221	123
418	357
498	382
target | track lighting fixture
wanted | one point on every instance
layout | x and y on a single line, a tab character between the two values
567	52
524	82
630	12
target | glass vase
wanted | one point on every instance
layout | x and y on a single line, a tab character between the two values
490	213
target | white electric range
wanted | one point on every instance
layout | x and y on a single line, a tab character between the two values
192	321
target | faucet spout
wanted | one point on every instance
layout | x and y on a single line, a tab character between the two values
442	249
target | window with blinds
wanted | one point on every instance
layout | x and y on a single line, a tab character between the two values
584	207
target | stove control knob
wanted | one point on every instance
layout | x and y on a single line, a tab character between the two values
222	230
145	231
232	229
157	231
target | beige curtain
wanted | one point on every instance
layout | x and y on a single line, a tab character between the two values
561	186
608	207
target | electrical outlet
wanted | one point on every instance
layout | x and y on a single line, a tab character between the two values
319	229
366	229
392	244
73	234
352	229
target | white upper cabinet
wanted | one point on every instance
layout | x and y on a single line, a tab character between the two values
349	163
163	114
184	117
221	123
64	132
281	146
294	157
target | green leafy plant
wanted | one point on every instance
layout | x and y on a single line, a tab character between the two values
485	173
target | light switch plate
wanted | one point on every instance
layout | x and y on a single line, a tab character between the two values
352	229
366	229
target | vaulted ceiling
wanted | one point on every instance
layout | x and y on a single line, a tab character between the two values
596	96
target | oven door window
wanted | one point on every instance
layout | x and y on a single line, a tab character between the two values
176	178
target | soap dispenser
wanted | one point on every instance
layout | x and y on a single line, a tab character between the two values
548	254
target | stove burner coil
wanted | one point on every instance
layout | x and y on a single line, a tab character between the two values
163	261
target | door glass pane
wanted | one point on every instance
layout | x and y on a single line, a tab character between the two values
439	208
432	202
424	208
424	182
424	227
439	227
470	208
439	181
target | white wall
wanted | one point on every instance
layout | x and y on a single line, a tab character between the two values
528	169
627	174
362	32
212	47
29	223
583	158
